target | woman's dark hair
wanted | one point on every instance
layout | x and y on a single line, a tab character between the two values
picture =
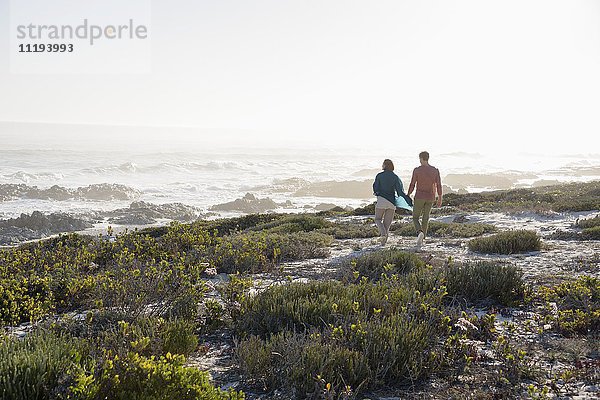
388	165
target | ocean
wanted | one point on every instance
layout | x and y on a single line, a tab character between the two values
303	178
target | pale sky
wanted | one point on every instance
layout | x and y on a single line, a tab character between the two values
444	75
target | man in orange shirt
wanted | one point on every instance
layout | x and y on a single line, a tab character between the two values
427	180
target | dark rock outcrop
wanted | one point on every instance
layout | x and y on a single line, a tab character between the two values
248	204
38	225
102	191
144	213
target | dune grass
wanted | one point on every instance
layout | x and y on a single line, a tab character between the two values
567	197
485	281
390	324
443	229
509	242
577	305
391	321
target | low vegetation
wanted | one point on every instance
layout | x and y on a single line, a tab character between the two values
559	198
510	242
387	261
573	307
442	229
160	266
349	337
391	324
485	281
134	307
47	366
588	223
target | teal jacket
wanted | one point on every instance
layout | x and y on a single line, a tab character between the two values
387	184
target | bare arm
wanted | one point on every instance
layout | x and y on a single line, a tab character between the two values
413	181
438	185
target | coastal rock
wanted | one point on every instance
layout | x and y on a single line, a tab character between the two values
103	191
107	191
136	219
38	225
174	211
247	204
10	191
287	204
288	185
460	219
325	206
54	193
447	189
144	213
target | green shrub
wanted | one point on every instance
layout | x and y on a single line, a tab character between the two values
479	281
442	229
33	368
567	197
212	315
24	298
152	272
388	261
588	223
577	305
293	224
229	226
592	233
45	365
359	335
510	242
178	337
577	204
366	210
298	306
300	361
173	290
300	246
351	231
234	292
148	378
241	253
257	251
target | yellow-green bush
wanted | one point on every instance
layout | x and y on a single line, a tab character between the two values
478	281
577	305
36	367
359	335
443	229
510	242
388	261
136	377
49	366
588	223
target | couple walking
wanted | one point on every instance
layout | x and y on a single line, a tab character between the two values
425	178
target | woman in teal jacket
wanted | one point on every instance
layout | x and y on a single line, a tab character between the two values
387	184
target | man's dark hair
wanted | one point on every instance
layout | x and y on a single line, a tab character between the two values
424	155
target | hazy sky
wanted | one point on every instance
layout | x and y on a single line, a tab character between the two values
444	75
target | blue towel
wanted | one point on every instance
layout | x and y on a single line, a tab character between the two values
401	202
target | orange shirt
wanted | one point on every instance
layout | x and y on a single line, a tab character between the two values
427	179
